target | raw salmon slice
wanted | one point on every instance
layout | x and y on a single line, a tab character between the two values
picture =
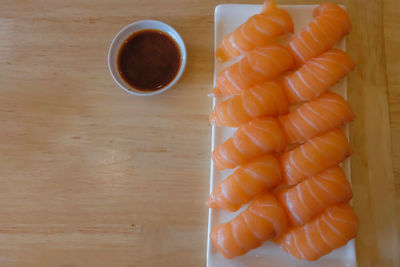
314	156
258	30
309	198
332	229
315	117
330	24
245	183
251	140
266	99
317	75
263	219
259	65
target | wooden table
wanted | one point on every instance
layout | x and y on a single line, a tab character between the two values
91	176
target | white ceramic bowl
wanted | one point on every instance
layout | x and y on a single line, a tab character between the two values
128	31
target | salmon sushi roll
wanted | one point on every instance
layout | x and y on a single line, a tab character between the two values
259	65
312	196
331	23
258	30
266	99
263	219
315	117
314	156
317	75
250	141
334	228
245	183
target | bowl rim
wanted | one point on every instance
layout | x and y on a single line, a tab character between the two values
130	28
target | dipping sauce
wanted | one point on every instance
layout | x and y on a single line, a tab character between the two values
148	60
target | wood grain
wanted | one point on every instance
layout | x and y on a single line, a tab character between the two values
391	22
91	176
372	171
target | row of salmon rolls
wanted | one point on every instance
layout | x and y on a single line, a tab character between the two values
330	24
264	61
271	135
294	198
308	220
272	98
298	197
265	219
290	168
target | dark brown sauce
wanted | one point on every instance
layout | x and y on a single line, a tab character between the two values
148	60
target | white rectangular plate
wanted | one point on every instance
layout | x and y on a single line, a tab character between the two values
228	17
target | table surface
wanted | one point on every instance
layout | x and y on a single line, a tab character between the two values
91	176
